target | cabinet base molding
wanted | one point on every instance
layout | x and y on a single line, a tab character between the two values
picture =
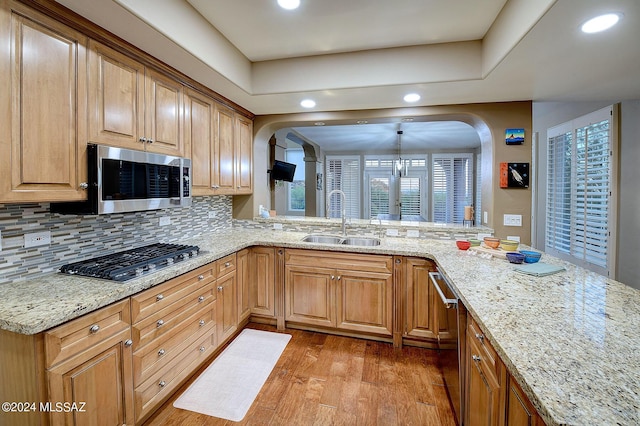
337	332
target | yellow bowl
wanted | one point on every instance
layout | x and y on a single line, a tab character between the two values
509	245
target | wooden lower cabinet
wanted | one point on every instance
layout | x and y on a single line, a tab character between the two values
244	282
420	295
520	411
262	291
227	317
339	290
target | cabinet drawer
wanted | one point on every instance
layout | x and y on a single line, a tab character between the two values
337	260
161	384
82	333
488	353
226	264
154	356
159	297
165	320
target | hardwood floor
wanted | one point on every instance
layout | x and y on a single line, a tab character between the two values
332	380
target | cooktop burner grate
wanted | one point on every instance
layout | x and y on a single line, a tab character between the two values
133	263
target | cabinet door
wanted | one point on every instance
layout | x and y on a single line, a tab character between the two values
98	381
309	295
42	108
227	309
163	114
483	389
199	114
243	271
224	178
364	302
520	411
420	299
244	155
116	91
262	289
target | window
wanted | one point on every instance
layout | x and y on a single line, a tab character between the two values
296	189
343	173
579	191
452	186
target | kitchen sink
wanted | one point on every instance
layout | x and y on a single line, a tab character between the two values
334	239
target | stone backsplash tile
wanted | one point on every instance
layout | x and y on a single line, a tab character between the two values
75	238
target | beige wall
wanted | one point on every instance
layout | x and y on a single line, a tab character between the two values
490	121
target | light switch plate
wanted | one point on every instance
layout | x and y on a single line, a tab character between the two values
413	233
485	217
0	240
512	220
211	214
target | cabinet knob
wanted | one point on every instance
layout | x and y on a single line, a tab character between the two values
476	358
160	323
201	348
280	252
201	277
162	384
143	139
159	297
398	261
128	343
94	328
84	185
149	140
220	288
201	299
227	264
161	352
333	277
339	277
201	323
480	336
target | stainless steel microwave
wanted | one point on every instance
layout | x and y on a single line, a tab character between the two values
126	180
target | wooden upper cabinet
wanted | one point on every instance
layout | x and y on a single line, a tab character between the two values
42	108
199	126
132	106
225	178
244	155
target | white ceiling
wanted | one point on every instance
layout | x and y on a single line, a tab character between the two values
366	54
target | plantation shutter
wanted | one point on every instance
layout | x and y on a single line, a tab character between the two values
452	186
378	196
579	190
410	198
344	174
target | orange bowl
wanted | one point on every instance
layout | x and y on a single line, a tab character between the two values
463	244
492	242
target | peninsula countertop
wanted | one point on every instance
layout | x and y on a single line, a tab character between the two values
570	339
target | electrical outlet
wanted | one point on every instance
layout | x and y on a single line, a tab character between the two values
392	232
512	220
211	215
165	220
485	217
277	226
413	233
0	240
36	239
513	238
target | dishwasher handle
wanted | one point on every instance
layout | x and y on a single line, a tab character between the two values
448	303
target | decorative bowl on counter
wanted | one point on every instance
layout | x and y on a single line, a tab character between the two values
509	245
515	257
474	243
492	242
463	244
531	256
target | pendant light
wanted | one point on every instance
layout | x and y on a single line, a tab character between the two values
399	165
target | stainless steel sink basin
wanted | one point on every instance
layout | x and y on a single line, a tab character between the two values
361	241
323	239
334	239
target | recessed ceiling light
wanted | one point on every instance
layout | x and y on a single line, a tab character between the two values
308	103
407	120
600	23
411	97
289	4
319	123
362	122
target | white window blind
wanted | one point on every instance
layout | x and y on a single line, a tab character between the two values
579	191
379	196
478	201
343	173
452	186
410	196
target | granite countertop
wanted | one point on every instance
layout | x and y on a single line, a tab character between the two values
570	339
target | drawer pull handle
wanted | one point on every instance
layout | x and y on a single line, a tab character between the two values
201	348
201	299
128	343
201	277
94	328
159	297
162	384
476	358
161	352
227	264
201	323
159	323
220	288
480	336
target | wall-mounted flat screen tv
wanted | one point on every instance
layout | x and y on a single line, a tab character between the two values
283	171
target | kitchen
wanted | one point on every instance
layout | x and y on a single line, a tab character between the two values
81	237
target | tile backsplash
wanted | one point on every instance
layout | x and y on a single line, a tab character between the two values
74	238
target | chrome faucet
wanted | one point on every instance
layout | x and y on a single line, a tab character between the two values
344	209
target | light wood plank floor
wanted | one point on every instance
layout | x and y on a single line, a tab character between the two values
332	380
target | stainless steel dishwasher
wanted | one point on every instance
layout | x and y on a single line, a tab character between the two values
451	323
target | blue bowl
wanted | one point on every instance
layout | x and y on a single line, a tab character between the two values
531	256
515	257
